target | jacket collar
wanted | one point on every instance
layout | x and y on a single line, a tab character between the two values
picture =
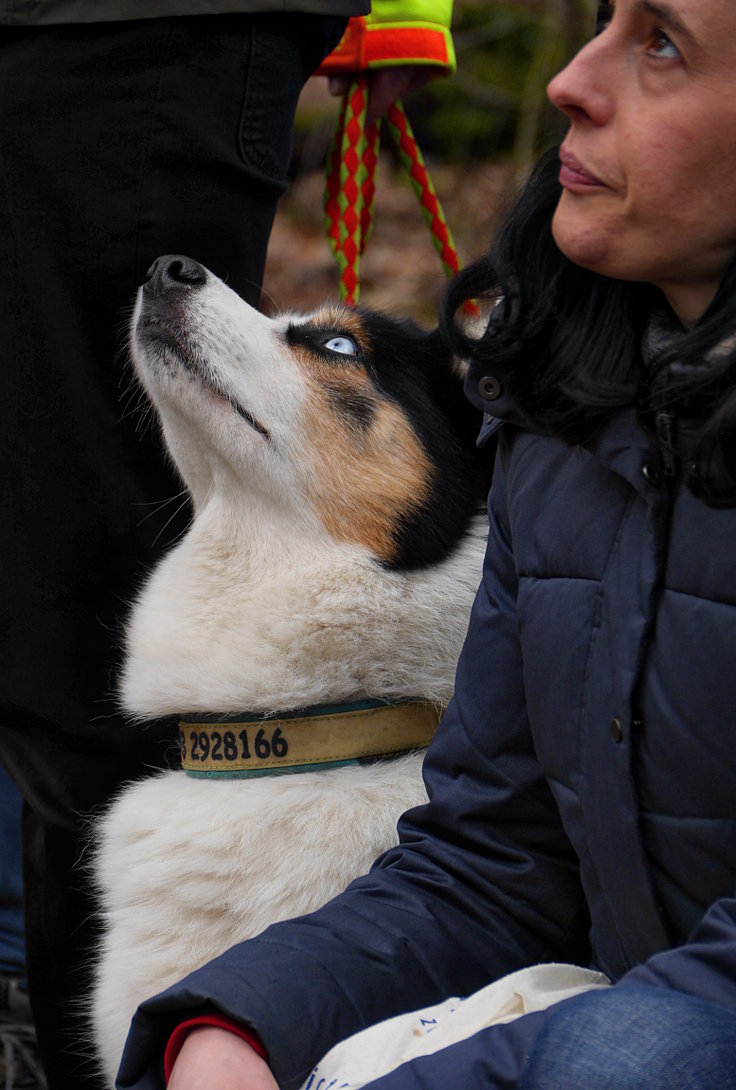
623	445
642	458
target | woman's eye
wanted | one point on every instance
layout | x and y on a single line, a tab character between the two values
345	346
661	45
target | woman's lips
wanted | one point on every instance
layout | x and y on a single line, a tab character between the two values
573	174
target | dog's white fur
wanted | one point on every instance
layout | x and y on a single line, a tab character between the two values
259	608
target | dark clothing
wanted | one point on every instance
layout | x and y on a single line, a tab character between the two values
12	945
44	12
582	804
118	142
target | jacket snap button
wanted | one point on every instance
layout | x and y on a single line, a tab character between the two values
652	475
617	731
489	388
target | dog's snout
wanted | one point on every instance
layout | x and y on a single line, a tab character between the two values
173	272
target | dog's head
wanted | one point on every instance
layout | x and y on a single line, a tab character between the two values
347	417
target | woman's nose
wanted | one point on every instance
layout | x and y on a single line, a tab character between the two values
583	89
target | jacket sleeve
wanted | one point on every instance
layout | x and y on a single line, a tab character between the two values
704	966
396	32
483	882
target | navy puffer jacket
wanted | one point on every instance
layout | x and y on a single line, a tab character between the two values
582	785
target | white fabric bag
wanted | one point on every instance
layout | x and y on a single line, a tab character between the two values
375	1051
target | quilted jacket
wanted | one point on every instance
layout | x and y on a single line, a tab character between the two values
582	785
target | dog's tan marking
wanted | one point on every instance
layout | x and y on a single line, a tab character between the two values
366	478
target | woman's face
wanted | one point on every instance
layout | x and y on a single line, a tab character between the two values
648	166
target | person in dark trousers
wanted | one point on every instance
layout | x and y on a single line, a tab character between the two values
12	943
581	784
118	141
19	1062
127	129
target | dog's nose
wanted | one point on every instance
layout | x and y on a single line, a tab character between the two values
174	273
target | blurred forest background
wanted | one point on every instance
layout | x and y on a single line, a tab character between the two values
479	131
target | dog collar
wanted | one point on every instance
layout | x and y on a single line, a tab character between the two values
245	746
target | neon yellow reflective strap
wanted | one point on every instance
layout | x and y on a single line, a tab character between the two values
405	12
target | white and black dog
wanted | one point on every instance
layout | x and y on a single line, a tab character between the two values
306	627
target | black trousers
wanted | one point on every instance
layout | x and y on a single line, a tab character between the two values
118	142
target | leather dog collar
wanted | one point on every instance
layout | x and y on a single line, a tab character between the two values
316	738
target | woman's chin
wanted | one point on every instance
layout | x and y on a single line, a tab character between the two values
583	236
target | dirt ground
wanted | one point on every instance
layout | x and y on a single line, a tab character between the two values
400	270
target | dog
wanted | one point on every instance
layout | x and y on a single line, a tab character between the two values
306	627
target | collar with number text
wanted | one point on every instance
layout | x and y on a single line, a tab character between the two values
316	738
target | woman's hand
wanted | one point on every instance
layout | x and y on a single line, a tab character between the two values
215	1059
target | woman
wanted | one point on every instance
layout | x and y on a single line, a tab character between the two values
582	784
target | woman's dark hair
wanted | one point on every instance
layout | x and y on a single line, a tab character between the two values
568	342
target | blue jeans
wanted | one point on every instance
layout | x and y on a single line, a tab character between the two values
634	1038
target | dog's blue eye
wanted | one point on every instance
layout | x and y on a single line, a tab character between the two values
345	346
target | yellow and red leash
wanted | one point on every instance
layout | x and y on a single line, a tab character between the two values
350	188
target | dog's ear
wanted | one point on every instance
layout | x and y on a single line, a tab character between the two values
441	351
443	360
460	367
471	326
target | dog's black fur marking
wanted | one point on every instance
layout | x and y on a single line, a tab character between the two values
415	368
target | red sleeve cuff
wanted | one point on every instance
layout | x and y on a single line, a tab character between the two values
177	1038
366	45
